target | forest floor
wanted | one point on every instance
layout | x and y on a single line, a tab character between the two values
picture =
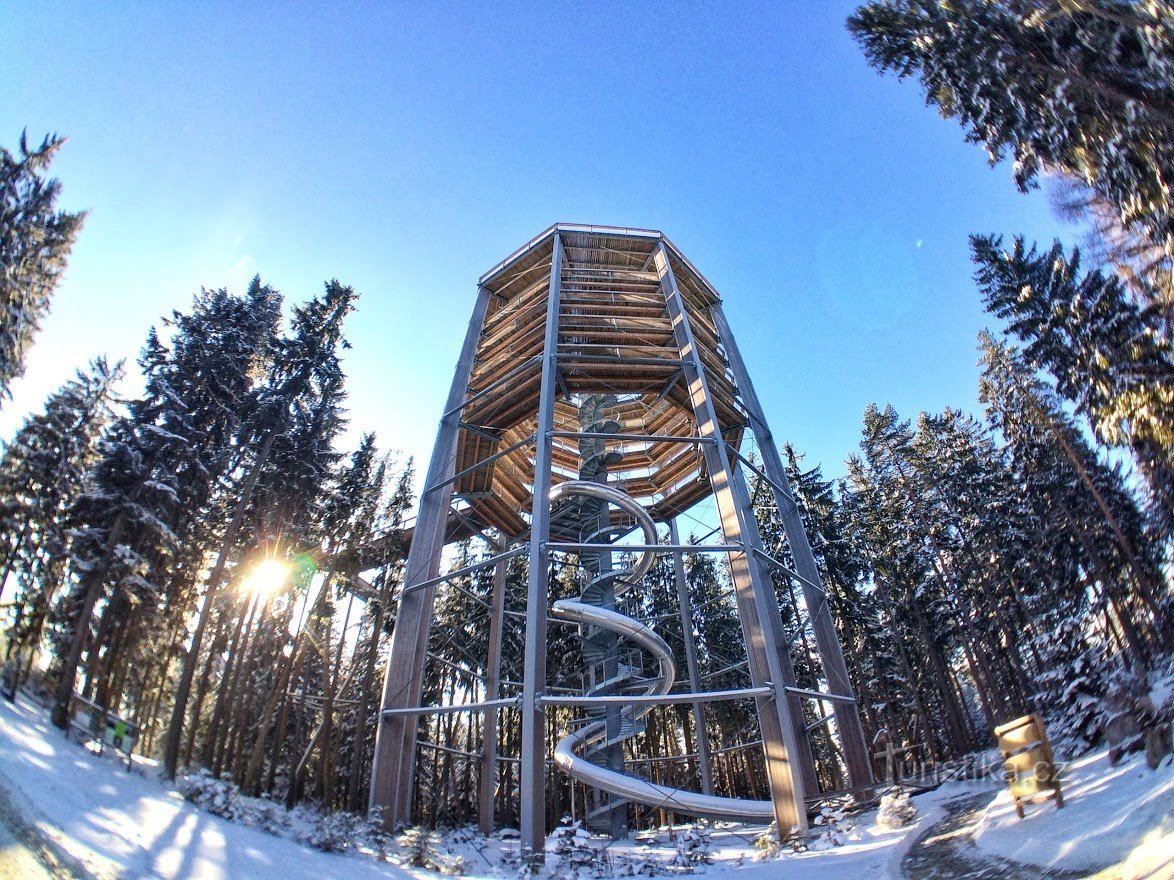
83	815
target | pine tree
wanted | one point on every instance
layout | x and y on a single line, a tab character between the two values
296	417
198	386
1087	518
1106	357
41	477
35	241
121	541
973	529
907	562
1143	267
842	556
143	534
1086	88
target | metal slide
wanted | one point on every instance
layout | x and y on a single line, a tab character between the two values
568	753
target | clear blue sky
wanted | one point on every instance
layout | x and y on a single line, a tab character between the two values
405	148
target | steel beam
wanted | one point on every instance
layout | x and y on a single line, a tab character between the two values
468	569
827	642
639	438
659	699
820	695
773	622
451	708
757	606
581	547
532	786
492	386
489	459
485	801
685	606
395	753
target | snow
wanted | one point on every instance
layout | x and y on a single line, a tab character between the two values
133	827
122	825
1110	815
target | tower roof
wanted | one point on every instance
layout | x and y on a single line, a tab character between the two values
615	338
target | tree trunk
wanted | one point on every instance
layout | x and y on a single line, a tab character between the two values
60	715
175	728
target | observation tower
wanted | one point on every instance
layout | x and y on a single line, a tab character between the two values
598	396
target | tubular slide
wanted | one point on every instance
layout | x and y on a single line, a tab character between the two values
570	752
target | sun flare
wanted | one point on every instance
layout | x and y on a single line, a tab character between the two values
266	577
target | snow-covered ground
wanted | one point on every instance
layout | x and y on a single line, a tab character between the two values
1110	815
114	824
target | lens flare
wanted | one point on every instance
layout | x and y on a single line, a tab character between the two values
266	577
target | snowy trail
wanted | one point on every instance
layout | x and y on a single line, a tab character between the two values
121	825
18	862
946	850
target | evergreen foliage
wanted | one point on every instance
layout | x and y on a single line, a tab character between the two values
1106	355
1086	88
35	241
42	478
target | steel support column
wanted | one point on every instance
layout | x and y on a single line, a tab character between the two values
492	687
532	789
686	607
395	738
827	642
757	606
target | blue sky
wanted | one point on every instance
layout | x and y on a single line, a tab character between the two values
405	148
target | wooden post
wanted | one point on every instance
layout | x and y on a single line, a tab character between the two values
532	789
395	738
754	592
827	642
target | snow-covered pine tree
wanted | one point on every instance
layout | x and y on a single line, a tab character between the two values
198	384
165	463
972	524
887	692
1086	88
1089	529
1144	268
1107	356
840	552
907	563
289	506
121	540
41	477
35	241
295	419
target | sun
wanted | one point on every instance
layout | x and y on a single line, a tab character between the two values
266	577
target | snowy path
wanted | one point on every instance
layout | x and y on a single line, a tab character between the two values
121	825
18	862
947	852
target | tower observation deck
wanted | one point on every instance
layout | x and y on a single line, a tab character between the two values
598	396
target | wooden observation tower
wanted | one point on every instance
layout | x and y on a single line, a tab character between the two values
598	395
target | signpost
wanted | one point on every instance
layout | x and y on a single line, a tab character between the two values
104	727
1028	765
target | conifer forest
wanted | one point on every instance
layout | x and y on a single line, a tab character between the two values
188	543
